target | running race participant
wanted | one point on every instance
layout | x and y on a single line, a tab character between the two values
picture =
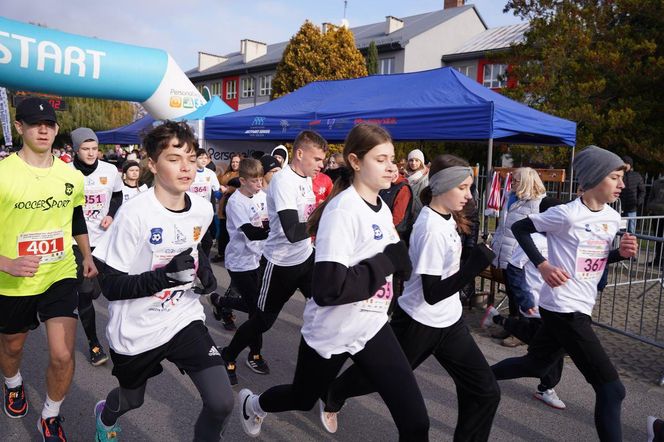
206	185
131	170
358	251
288	256
149	260
428	319
41	203
579	236
527	285
247	224
103	196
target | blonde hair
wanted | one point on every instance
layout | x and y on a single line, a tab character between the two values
530	184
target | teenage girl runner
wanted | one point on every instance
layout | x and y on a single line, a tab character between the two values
357	252
427	320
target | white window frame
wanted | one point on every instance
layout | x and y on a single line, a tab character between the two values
465	70
231	89
383	69
493	76
265	85
215	88
248	87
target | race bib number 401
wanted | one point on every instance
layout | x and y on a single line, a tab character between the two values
49	246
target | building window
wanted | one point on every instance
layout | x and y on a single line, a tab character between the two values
231	90
494	75
465	70
215	88
247	87
265	85
386	66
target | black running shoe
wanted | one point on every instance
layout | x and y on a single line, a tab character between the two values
214	303
51	429
258	364
228	319
230	371
97	355
15	402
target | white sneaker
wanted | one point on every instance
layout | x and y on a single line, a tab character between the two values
550	398
328	419
251	422
489	314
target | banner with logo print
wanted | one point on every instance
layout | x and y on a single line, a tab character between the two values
220	151
4	117
45	60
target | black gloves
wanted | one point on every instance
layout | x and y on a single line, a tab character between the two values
205	275
398	255
180	269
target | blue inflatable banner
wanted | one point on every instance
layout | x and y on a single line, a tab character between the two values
45	60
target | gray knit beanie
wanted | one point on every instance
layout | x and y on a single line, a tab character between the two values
593	163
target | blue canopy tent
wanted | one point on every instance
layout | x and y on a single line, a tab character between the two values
133	132
439	104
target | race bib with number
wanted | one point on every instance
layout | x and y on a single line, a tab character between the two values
95	199
49	246
308	206
591	258
201	189
380	301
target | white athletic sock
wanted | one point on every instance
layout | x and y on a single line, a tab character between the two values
14	381
51	408
256	406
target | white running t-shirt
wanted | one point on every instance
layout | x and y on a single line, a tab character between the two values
435	249
579	241
99	186
145	236
288	191
242	254
205	183
349	232
129	191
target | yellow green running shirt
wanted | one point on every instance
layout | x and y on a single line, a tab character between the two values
36	209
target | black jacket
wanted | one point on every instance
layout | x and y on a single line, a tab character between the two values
634	193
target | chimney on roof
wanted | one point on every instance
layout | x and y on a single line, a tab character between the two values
392	24
453	3
251	49
206	61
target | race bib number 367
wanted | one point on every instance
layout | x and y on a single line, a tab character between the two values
49	246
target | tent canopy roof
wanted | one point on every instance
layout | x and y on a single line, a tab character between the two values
439	104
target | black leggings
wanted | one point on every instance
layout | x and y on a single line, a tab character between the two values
214	388
247	284
573	333
455	349
384	364
525	329
88	289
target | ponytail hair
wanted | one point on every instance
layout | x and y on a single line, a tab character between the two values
439	163
359	141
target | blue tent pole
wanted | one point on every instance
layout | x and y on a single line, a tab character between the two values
571	173
487	190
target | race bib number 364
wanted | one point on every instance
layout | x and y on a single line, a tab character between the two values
49	246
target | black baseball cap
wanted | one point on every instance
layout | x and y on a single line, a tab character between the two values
33	110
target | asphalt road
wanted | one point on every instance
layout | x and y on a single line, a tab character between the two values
172	403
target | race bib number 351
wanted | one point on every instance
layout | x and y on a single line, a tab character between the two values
49	246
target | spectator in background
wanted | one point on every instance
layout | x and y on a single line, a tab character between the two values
281	154
222	235
335	165
633	195
270	167
418	178
322	186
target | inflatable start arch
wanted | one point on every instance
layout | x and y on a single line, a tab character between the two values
45	60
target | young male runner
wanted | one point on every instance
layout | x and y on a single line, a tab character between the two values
131	170
40	212
149	260
579	236
247	224
288	256
103	196
205	185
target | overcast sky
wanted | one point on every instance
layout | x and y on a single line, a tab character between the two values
216	26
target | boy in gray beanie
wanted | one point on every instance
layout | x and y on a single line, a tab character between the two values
579	237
